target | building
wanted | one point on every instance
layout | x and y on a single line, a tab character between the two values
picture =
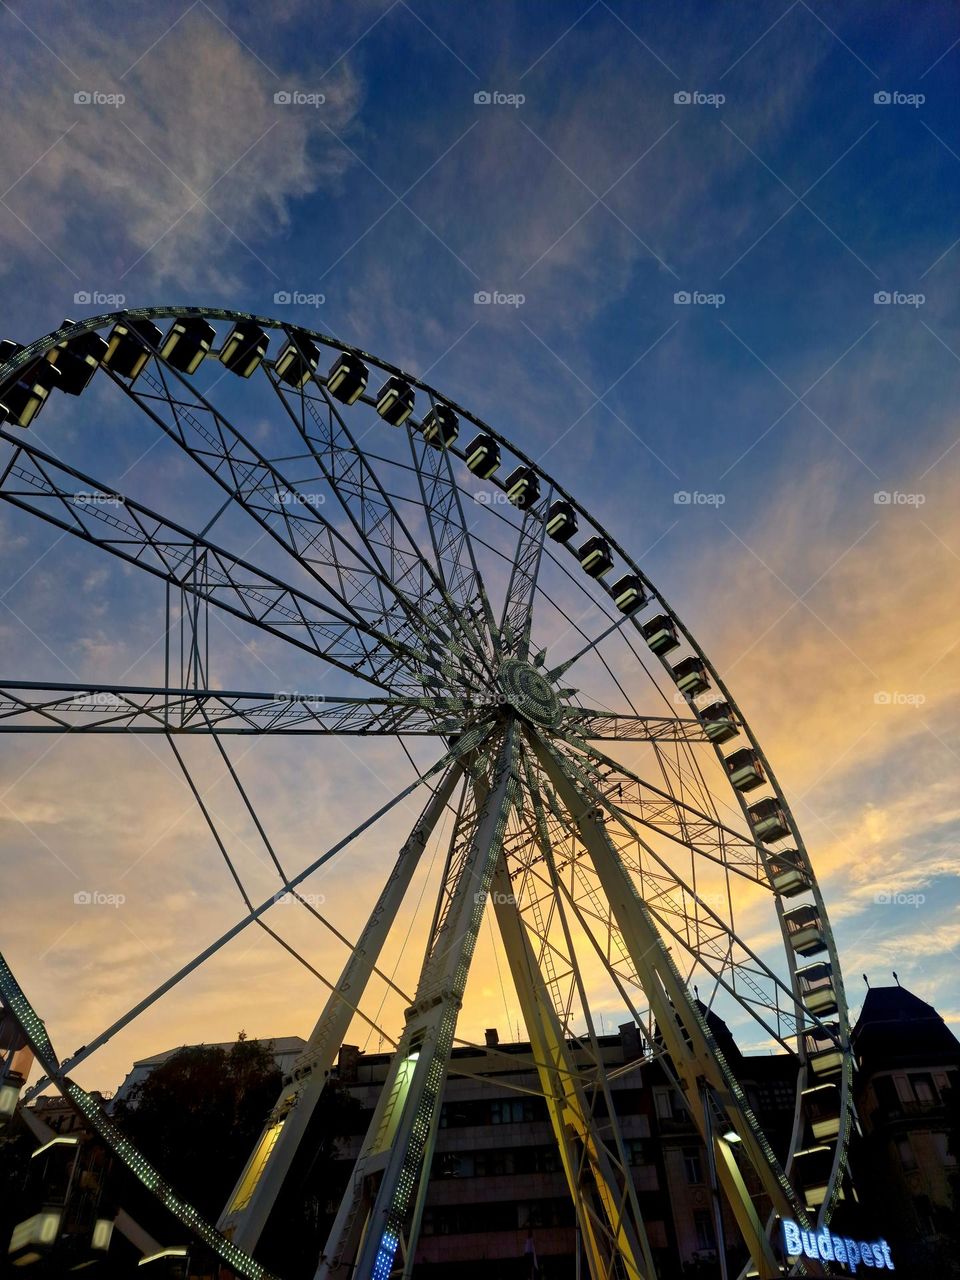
908	1102
498	1193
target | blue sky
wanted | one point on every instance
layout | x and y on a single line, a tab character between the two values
784	198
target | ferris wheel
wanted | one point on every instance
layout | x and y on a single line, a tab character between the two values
600	796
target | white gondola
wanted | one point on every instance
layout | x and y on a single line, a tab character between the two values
628	594
483	456
188	343
440	426
561	521
768	820
347	379
718	722
297	360
523	487
691	676
595	558
78	359
812	1168
805	930
23	398
823	1050
821	1106
744	769
244	348
787	874
128	347
660	634
817	988
395	401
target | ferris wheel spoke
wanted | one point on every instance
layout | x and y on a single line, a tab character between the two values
47	488
416	584
473	741
401	1137
43	707
279	505
450	536
517	617
592	725
657	810
706	1077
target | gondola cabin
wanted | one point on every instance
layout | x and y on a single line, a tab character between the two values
812	1168
297	360
821	1106
691	676
787	874
821	1045
244	348
482	456
718	722
561	521
805	930
395	401
78	359
188	343
660	634
628	594
744	769
440	426
523	487
128	347
768	820
595	558
347	379
817	989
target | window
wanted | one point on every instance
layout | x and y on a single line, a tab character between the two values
703	1225
693	1165
941	1142
664	1100
923	1089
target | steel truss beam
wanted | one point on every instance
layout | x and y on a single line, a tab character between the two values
374	1222
45	707
601	1187
259	1184
694	1053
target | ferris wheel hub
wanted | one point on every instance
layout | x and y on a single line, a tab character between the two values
529	692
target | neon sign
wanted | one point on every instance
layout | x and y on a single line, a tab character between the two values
826	1247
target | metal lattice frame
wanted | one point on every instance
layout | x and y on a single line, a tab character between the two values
432	625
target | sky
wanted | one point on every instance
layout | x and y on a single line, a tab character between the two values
722	244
